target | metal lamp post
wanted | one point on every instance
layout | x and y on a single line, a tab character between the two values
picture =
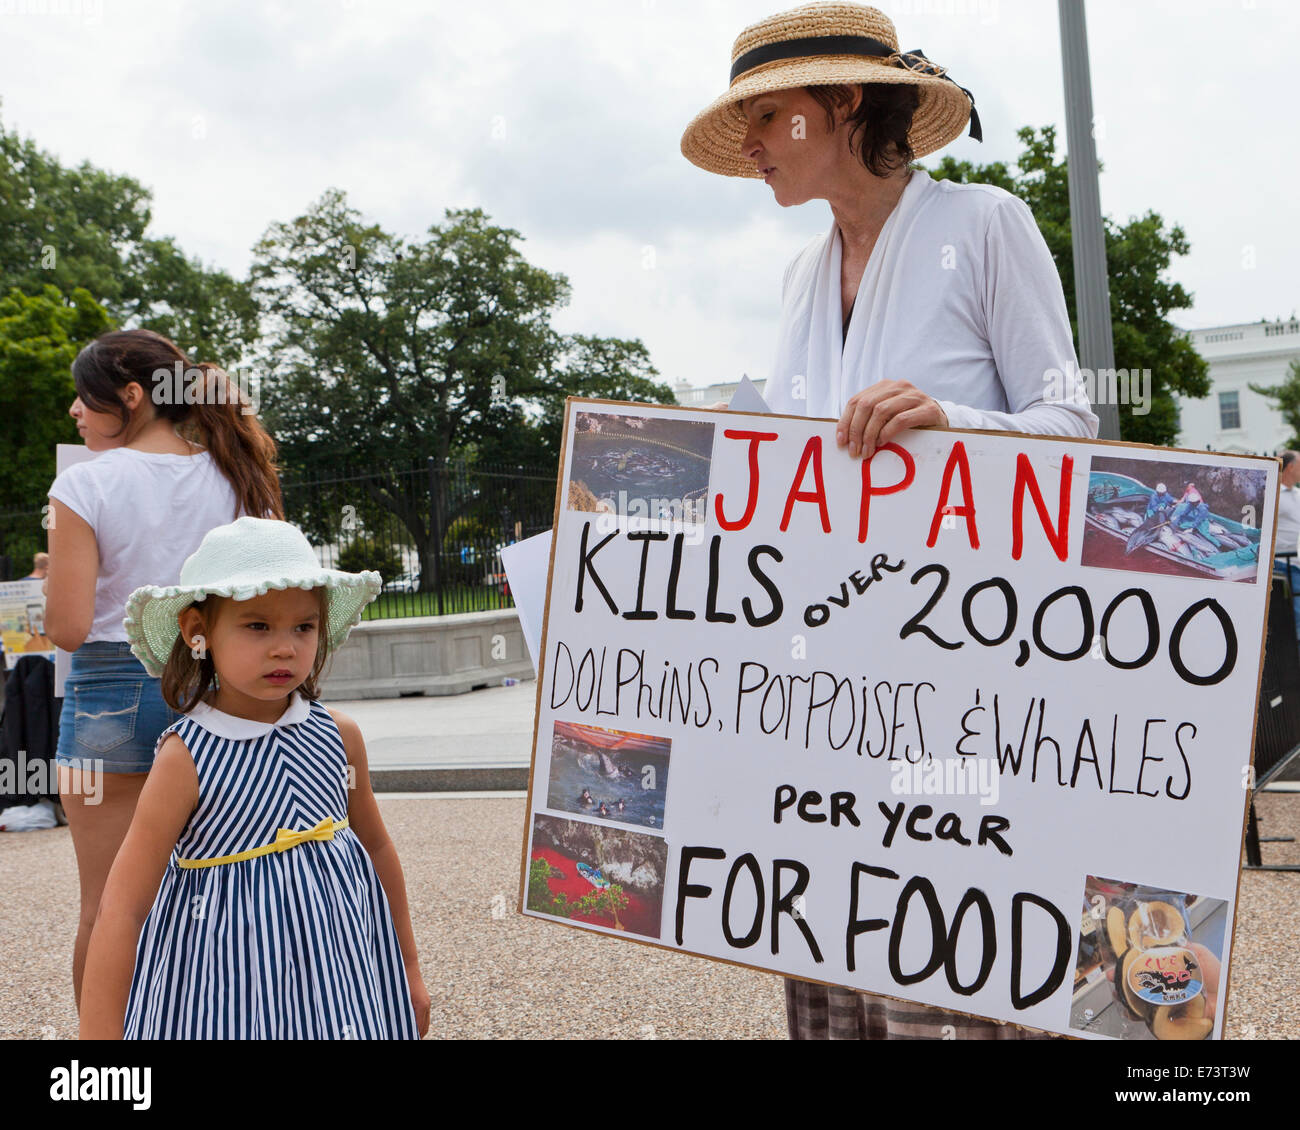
1091	289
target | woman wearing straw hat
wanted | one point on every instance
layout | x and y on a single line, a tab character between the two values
926	303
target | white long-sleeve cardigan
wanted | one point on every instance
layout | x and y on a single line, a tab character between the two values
960	297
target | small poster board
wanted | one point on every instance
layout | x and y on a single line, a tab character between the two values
22	621
968	724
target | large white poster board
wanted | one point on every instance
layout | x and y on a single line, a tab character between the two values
968	724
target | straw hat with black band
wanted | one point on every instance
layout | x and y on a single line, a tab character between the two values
825	45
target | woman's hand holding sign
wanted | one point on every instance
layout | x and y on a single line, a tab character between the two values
875	415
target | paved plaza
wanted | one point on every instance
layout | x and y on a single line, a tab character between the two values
493	973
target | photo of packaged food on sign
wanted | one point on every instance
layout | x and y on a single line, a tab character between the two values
1149	962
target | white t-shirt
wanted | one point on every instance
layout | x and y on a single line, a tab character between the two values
149	511
960	297
1288	521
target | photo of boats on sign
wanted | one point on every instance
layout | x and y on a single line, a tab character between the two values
640	467
603	876
1179	519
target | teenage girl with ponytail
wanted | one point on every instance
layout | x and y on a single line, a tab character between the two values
169	472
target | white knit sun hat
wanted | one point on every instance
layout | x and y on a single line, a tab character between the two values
242	560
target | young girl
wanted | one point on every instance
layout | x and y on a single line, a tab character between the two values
282	908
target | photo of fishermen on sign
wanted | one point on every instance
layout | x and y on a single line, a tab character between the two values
1181	519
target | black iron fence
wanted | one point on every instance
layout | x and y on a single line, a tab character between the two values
1277	725
434	533
1277	733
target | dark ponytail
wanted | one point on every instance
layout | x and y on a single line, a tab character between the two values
221	421
224	423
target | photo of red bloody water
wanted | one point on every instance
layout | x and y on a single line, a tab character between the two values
596	874
1108	553
637	917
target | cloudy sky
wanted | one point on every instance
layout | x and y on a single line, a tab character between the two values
562	119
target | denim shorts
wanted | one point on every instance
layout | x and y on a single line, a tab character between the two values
113	711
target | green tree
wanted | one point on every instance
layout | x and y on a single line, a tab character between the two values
1138	256
1286	399
395	351
602	902
539	890
39	337
360	554
602	367
86	227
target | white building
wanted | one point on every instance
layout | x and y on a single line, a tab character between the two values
1232	418
702	397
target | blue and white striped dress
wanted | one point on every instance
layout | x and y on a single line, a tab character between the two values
295	944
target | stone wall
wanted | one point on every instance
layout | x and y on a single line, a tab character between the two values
432	655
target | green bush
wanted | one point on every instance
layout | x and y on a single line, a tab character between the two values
468	529
539	891
467	549
361	554
602	903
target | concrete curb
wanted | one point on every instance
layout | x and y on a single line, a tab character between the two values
481	778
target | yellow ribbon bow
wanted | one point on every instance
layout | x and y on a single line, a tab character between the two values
285	838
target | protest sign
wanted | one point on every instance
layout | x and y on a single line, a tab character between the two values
969	723
22	621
